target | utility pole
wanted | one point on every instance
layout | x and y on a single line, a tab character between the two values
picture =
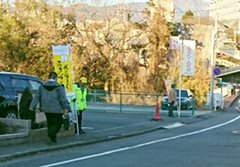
180	77
180	69
213	60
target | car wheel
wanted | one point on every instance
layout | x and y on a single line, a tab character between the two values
11	114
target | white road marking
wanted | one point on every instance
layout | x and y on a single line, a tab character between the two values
175	125
140	145
87	127
236	132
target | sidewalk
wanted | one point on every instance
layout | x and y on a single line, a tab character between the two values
229	100
115	126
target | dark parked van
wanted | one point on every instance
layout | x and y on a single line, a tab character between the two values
10	85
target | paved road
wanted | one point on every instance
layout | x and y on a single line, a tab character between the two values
106	126
209	142
234	104
101	127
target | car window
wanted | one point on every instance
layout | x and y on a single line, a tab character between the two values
184	93
5	81
34	84
1	86
19	84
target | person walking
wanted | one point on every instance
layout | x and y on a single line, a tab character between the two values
81	99
53	102
172	99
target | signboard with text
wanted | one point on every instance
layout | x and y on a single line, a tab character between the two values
63	66
174	43
189	57
168	82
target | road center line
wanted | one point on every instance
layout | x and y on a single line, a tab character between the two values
140	145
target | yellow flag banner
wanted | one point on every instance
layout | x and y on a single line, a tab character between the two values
63	65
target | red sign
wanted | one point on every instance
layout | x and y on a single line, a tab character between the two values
168	82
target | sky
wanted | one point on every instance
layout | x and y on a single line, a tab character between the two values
97	2
127	1
110	2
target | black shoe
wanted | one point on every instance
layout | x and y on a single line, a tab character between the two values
53	139
82	132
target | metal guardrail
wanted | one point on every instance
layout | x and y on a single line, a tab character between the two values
237	53
230	52
225	62
234	53
230	69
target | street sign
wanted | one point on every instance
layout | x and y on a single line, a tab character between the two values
217	71
62	60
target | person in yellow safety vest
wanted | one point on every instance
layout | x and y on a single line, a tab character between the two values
81	98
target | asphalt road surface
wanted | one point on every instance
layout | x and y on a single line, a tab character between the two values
235	103
207	143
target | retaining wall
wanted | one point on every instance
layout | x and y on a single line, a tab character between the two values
19	131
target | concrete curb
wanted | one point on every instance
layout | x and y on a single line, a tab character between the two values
13	136
56	147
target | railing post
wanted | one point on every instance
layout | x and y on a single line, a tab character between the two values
143	97
193	105
95	99
215	103
120	102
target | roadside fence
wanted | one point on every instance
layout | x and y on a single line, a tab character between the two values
131	101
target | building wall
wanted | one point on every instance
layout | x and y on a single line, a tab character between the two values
122	12
226	9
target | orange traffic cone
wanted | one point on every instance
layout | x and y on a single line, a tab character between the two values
157	114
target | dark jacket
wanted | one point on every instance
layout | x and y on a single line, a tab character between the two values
52	98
